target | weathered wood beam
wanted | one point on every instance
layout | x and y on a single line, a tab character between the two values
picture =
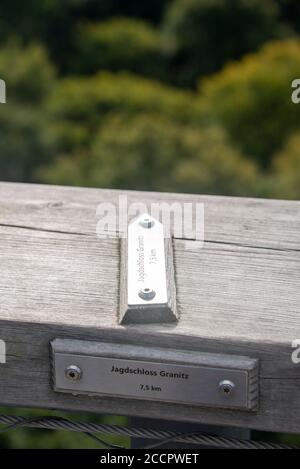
239	295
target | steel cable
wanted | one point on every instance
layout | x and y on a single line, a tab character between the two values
57	423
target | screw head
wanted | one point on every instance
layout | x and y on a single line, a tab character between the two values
146	221
73	373
226	387
147	294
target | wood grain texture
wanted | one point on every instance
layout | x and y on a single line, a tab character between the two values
238	295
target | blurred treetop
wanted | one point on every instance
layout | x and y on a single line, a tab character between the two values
107	93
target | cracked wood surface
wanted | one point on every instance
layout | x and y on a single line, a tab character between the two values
240	294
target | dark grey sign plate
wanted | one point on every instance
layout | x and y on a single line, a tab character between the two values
199	379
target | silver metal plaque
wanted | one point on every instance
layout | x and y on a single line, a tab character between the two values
146	262
147	279
191	382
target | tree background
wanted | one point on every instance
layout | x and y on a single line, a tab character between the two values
167	95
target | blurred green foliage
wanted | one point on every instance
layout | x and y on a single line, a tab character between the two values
290	12
148	151
87	100
251	99
28	72
24	138
70	106
202	35
125	44
286	169
179	95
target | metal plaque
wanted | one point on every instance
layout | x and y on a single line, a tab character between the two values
148	298
146	263
190	382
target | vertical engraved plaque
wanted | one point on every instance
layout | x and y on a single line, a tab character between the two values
147	277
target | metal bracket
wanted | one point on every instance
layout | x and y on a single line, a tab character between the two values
147	289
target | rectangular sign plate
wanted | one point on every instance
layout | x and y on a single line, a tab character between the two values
153	379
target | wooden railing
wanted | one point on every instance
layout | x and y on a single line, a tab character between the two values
239	294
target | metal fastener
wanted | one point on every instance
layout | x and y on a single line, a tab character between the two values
147	294
73	373
226	387
146	222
